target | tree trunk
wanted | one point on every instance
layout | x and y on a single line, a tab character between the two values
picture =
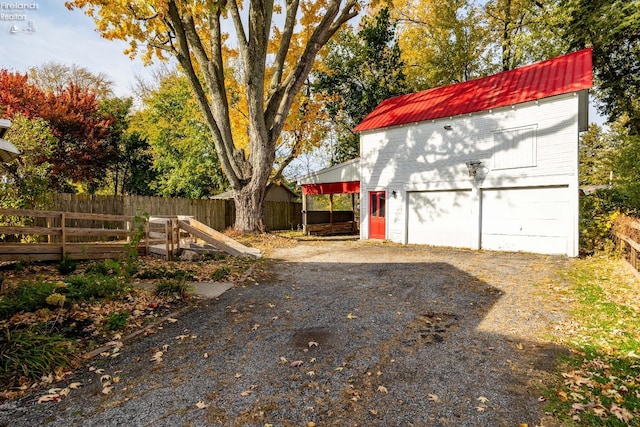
249	203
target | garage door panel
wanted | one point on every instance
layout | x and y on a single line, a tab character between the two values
525	219
440	218
535	244
525	227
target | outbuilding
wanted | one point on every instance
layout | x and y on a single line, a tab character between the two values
490	163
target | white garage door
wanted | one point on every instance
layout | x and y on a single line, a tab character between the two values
526	219
440	218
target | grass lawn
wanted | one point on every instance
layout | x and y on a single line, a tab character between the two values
600	380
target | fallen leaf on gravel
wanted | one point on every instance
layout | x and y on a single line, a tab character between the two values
311	424
172	320
311	373
206	355
255	327
237	375
296	363
483	399
373	412
182	337
541	399
480	408
74	385
382	389
157	357
433	398
201	405
351	316
245	393
313	344
519	346
271	305
340	368
49	398
523	425
107	390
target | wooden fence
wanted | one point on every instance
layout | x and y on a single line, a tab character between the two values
217	214
66	234
626	232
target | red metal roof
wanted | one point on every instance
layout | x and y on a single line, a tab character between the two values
564	74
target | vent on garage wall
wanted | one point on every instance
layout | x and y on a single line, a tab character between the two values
514	148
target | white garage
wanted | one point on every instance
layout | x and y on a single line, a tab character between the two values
526	219
440	218
490	163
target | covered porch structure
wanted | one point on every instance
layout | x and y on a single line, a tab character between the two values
342	179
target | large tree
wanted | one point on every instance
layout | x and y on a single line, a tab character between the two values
524	31
612	29
184	161
193	33
83	150
442	41
359	71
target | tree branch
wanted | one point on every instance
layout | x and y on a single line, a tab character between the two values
280	102
290	21
184	59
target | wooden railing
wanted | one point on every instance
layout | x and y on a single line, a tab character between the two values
52	236
30	235
626	232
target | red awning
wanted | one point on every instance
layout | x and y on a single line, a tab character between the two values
332	188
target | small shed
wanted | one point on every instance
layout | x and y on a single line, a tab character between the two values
339	179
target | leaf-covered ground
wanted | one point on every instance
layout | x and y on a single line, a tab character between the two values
94	323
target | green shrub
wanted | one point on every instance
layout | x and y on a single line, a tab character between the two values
107	267
221	273
164	273
213	256
117	321
597	213
32	353
172	286
96	286
27	296
67	266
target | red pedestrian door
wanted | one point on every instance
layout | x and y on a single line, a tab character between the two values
377	212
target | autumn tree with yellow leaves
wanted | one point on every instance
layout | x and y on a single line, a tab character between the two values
195	34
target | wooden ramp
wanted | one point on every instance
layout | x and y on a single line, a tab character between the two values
215	238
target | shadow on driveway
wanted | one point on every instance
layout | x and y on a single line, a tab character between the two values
332	343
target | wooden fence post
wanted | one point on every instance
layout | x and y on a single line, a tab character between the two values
63	233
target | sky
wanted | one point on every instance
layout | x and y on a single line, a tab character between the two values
45	30
48	31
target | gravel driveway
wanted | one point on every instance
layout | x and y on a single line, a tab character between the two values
339	333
